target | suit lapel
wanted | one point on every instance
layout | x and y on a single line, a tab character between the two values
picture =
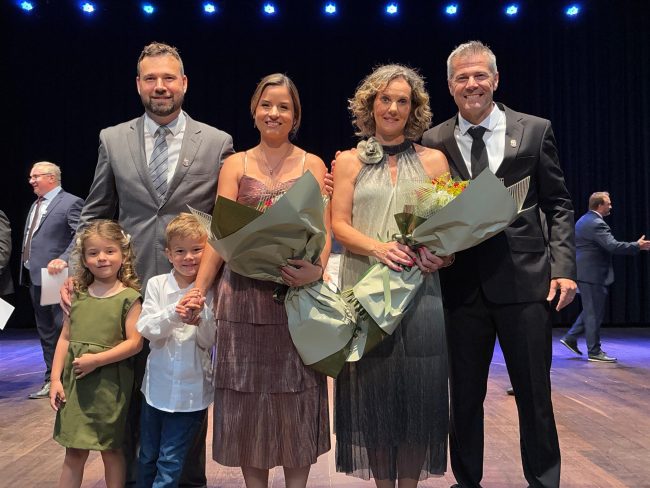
135	139
50	208
191	142
514	134
456	163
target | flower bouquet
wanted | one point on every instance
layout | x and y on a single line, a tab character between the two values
257	243
446	216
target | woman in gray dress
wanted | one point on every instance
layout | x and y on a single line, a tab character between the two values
391	407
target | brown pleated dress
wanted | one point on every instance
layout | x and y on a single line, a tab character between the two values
269	409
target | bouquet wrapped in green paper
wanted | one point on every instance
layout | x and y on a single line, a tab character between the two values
256	244
446	216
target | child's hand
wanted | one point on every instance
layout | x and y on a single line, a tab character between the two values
84	365
57	395
190	306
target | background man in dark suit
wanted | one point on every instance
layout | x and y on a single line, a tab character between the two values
6	282
49	233
501	287
145	202
595	246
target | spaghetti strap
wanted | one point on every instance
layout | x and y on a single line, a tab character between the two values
304	158
245	160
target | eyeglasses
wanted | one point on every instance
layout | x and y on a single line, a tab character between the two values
37	176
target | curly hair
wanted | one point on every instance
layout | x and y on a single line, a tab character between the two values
111	231
279	79
361	104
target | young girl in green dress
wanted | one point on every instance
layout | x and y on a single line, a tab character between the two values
92	377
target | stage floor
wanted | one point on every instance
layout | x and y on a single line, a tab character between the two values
601	412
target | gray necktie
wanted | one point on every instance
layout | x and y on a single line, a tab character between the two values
159	161
479	151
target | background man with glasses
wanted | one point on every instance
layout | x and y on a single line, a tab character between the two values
49	230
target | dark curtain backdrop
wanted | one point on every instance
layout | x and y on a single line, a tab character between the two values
67	75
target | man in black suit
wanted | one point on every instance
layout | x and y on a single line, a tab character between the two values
49	231
501	287
595	246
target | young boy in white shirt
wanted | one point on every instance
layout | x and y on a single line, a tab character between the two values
177	384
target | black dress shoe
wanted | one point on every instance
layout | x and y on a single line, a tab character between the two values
510	391
571	346
602	357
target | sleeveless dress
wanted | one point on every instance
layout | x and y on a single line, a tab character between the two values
269	409
396	395
94	415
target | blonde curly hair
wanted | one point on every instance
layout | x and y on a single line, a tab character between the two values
362	103
111	231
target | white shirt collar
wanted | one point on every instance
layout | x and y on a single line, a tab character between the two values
52	193
175	126
489	122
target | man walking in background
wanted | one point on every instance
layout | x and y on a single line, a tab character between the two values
595	246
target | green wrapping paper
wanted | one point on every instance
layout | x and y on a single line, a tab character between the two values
292	228
256	245
382	296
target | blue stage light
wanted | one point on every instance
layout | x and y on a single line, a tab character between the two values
391	9
148	9
330	8
27	6
269	9
451	9
209	8
88	7
572	10
512	9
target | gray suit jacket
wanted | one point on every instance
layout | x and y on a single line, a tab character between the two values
54	237
6	282
122	186
516	265
595	246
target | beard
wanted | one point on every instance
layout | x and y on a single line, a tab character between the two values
163	107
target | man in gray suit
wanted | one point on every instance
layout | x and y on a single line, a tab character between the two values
47	240
503	287
148	170
595	246
6	282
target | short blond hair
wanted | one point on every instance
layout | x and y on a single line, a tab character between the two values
597	199
361	104
183	226
50	169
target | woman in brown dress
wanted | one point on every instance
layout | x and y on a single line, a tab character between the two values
269	409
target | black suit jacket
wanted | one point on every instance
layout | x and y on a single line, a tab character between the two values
516	265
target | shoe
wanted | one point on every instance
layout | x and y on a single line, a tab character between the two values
44	392
571	346
602	357
510	391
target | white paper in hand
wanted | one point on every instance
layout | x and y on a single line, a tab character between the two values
50	286
6	310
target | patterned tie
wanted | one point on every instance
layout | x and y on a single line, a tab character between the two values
479	151
36	217
159	161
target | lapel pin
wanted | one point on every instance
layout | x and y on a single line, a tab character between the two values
513	143
186	162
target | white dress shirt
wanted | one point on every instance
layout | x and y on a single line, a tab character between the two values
178	377
494	138
174	140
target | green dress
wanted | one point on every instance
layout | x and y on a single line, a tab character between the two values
94	414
